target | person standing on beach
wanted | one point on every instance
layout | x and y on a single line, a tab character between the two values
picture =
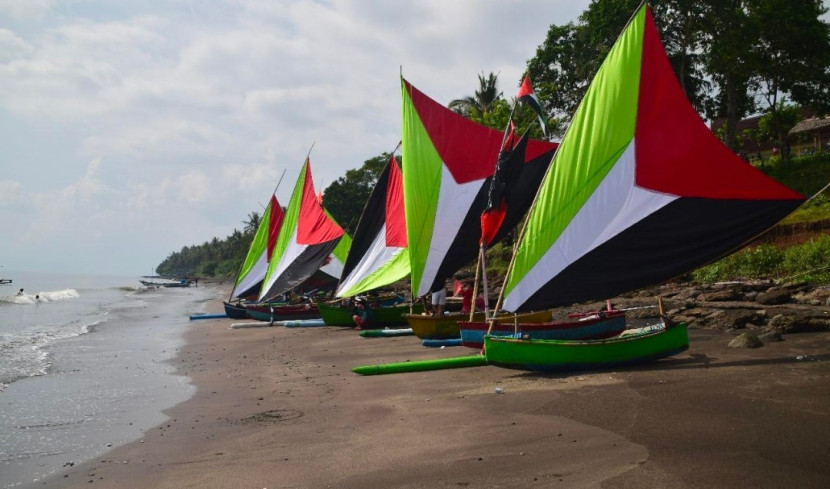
439	299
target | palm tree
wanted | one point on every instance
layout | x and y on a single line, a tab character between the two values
252	223
482	101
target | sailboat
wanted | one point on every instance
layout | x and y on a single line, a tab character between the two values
378	257
640	191
310	242
253	269
447	168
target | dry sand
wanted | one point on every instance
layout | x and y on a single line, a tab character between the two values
280	408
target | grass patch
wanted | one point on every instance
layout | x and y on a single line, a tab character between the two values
805	174
817	209
808	262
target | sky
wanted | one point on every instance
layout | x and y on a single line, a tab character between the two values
133	128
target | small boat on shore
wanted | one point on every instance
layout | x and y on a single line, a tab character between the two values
634	346
377	317
447	326
235	311
239	310
288	312
590	326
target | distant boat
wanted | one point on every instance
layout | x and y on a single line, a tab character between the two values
5	281
181	283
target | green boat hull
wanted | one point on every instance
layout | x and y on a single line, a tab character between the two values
380	316
422	366
386	333
565	355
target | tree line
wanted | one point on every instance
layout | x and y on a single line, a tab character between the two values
733	58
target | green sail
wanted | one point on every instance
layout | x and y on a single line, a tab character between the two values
602	128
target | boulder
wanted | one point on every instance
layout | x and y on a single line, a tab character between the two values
799	321
816	297
780	323
745	340
770	337
688	294
774	296
721	295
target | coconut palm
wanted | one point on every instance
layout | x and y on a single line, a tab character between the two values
252	223
482	101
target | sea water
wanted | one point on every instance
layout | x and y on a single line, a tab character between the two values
85	366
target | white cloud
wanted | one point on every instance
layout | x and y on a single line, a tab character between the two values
247	177
25	9
192	187
11	193
88	186
12	46
175	119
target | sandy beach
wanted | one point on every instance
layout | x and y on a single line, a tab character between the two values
279	407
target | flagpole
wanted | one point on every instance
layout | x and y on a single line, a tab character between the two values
484	282
475	285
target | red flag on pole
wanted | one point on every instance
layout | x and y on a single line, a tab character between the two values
528	96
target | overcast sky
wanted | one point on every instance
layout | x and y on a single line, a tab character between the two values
132	128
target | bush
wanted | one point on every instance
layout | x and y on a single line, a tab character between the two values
811	261
808	262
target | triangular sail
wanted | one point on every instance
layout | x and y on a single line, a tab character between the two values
378	255
448	161
640	190
309	241
249	279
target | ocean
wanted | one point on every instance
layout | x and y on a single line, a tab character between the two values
85	366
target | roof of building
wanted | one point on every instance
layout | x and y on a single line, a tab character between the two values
811	124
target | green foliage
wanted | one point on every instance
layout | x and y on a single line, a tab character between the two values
214	258
811	261
346	197
807	262
482	101
252	223
566	62
774	126
817	209
805	174
750	50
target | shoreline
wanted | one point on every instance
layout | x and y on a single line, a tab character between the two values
106	374
277	407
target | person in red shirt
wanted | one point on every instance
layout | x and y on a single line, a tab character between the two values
466	294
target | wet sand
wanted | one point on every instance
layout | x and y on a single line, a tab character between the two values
279	407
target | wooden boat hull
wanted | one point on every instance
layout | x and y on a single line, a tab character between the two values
446	327
378	318
165	284
600	326
235	311
283	313
562	355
